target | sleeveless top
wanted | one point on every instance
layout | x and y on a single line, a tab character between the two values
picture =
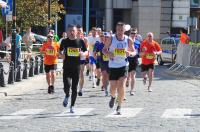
118	48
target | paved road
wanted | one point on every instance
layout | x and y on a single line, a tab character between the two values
173	106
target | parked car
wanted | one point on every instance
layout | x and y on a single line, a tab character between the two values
39	38
169	48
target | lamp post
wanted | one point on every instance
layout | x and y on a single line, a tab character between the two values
49	14
87	15
13	47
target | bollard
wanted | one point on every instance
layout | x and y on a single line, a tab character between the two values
31	67
36	68
41	64
11	73
2	81
25	70
18	74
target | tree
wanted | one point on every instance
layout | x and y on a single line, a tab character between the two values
35	12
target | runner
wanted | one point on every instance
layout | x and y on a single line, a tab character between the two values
103	62
91	42
50	51
72	48
118	48
80	35
149	50
133	62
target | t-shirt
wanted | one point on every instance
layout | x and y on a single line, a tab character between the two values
100	56
18	39
71	49
149	49
51	53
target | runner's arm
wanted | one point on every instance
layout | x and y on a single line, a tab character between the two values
131	50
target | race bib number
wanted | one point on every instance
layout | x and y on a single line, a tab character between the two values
119	52
150	56
91	47
50	52
73	52
105	58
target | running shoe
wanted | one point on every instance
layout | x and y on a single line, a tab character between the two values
132	93
98	82
65	102
72	109
118	110
149	89
52	89
80	93
49	90
112	102
94	85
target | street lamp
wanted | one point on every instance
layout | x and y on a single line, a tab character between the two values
13	47
49	14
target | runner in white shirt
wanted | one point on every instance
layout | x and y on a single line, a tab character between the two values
91	42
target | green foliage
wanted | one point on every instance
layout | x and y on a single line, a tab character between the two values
35	12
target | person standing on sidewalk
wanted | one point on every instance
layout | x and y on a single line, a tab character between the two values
50	49
149	49
71	50
118	47
28	39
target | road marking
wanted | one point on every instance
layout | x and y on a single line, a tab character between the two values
125	113
78	112
177	113
22	114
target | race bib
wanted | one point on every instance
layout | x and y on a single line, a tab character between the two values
150	56
119	52
105	58
91	47
50	52
98	54
73	52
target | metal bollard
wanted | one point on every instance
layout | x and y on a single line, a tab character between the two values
36	68
11	74
18	74
31	68
25	70
41	64
2	81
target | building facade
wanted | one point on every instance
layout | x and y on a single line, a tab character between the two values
157	16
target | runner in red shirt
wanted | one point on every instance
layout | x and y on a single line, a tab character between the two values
149	50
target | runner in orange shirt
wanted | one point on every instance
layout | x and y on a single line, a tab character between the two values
50	50
149	50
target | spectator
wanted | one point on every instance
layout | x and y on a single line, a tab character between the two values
28	39
184	39
64	35
18	44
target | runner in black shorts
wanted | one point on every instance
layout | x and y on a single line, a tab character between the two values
103	63
133	62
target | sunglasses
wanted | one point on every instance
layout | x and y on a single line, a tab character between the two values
50	37
133	33
149	36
